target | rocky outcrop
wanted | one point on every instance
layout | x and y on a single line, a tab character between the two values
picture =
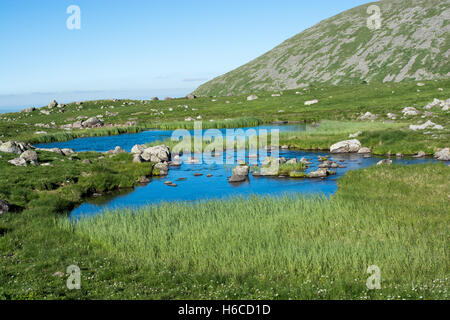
443	155
347	146
14	147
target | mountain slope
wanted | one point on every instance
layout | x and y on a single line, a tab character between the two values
413	43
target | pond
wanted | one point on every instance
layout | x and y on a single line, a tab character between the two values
193	182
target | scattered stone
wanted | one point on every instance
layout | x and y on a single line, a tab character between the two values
86	161
392	116
426	125
368	116
420	84
198	174
67	151
347	146
410	111
355	135
252	97
191	96
209	175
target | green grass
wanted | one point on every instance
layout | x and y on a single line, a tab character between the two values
336	104
261	248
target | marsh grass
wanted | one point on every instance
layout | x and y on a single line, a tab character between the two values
298	247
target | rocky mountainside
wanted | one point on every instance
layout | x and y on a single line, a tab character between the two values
411	43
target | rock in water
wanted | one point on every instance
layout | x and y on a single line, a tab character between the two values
384	162
443	155
157	154
347	146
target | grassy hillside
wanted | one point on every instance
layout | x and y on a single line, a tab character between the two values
413	43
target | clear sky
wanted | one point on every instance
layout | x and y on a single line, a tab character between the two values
139	48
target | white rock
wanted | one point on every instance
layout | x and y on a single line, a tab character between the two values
347	146
311	102
443	155
252	97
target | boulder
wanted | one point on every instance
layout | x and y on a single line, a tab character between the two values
18	162
347	146
4	206
138	148
52	104
163	168
320	173
252	97
241	170
191	96
234	179
30	156
157	154
10	147
92	122
443	155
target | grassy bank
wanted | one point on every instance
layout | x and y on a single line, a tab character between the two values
294	247
336	103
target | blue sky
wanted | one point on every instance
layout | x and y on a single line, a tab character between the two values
139	48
